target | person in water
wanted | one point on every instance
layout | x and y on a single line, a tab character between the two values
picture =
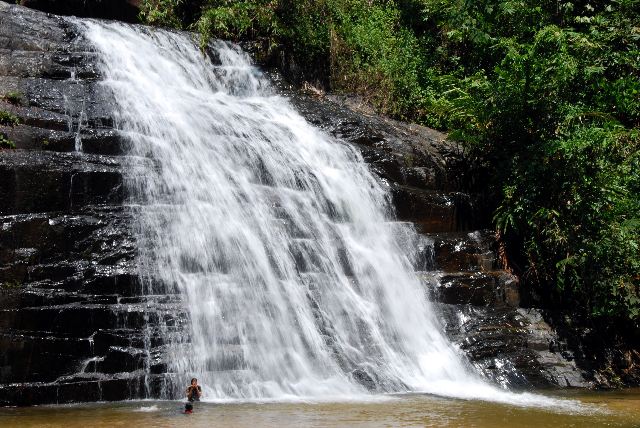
194	391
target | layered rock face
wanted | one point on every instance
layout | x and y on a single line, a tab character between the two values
75	322
70	320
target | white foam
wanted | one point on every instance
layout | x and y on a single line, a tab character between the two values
478	390
147	409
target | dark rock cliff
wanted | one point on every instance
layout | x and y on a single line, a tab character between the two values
68	283
75	323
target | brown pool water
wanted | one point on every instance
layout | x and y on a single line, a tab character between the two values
604	409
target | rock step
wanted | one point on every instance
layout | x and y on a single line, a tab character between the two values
115	387
464	251
43	355
52	130
97	343
83	320
33	117
29	297
435	211
152	336
78	277
493	288
36	297
49	366
83	103
99	234
454	251
26	357
48	64
47	358
32	182
118	359
93	141
63	275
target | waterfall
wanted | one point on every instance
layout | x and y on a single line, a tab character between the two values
292	277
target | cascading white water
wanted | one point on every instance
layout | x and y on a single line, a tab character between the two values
277	238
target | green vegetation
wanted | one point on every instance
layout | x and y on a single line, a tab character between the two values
545	96
6	143
8	285
8	119
14	98
160	12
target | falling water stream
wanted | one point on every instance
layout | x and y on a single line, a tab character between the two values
277	240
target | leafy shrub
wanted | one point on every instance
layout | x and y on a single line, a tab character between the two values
14	98
8	119
576	205
6	143
161	12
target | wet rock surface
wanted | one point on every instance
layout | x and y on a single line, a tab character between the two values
51	73
514	347
77	323
38	181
